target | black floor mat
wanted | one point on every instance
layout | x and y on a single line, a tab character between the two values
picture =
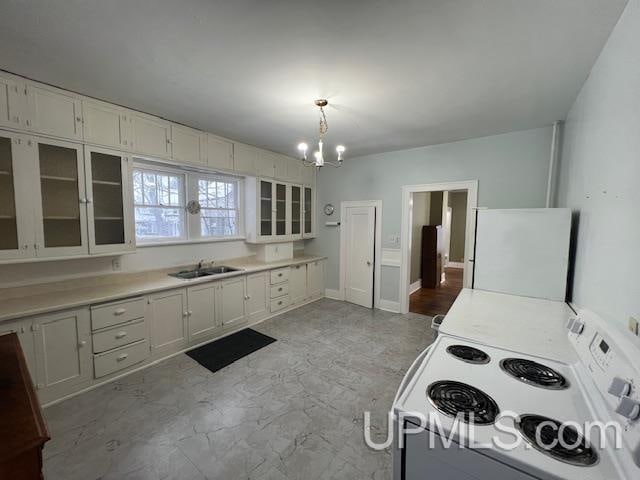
223	352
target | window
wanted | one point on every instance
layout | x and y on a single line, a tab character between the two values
219	207
158	199
162	194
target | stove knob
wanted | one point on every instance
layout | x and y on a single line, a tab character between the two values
577	327
628	408
620	387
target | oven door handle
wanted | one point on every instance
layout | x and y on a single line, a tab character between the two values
409	375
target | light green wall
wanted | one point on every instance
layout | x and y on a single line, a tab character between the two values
599	173
458	204
511	169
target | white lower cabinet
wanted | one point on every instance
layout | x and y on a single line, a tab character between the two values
298	284
202	321
231	301
24	330
63	352
256	298
315	279
168	314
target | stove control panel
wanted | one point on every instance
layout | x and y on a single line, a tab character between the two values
601	351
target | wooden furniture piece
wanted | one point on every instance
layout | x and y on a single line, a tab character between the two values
431	259
23	431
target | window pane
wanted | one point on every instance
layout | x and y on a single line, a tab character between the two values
149	191
159	222
218	223
137	186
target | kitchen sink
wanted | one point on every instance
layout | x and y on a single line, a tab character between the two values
203	272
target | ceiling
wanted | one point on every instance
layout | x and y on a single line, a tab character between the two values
398	74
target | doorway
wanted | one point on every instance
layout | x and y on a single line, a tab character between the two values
360	252
436	245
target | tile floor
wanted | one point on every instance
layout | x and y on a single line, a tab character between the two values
293	410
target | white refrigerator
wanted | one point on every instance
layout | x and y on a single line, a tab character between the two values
523	251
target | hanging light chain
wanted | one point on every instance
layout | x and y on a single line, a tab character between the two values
324	126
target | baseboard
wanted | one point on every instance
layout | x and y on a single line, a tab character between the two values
415	286
389	306
333	294
455	265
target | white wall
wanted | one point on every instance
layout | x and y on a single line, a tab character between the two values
511	169
600	177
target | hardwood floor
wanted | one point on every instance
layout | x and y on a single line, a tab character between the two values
436	301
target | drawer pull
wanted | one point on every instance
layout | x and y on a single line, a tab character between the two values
120	335
280	302
280	274
122	357
120	311
280	289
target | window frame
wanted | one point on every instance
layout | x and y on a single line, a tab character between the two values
189	191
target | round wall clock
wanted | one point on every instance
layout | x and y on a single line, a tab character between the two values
329	209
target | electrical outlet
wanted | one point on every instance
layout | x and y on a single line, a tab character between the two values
116	265
633	325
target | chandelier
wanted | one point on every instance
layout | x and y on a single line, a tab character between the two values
318	156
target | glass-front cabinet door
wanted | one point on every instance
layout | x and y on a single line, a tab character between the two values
296	211
61	221
109	213
308	214
266	208
281	210
16	215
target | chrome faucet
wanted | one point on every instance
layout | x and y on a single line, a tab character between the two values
200	264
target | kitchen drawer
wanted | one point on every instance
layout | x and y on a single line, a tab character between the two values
280	303
280	275
119	336
110	314
115	360
279	290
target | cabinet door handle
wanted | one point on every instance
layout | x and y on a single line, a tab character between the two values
82	343
185	314
190	312
119	311
120	335
122	357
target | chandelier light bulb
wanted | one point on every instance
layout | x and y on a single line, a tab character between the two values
340	149
303	147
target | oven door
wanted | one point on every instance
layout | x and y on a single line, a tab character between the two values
424	459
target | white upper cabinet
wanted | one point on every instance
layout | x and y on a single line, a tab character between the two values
266	165
106	125
280	163
17	237
109	201
53	112
12	103
151	136
61	200
294	170
188	145
219	153
245	158
308	212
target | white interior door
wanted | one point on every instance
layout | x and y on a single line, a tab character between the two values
359	224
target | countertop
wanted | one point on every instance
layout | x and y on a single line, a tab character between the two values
522	324
19	302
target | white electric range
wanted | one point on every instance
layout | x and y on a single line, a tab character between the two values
520	402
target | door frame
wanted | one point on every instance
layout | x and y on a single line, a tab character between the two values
377	204
471	186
